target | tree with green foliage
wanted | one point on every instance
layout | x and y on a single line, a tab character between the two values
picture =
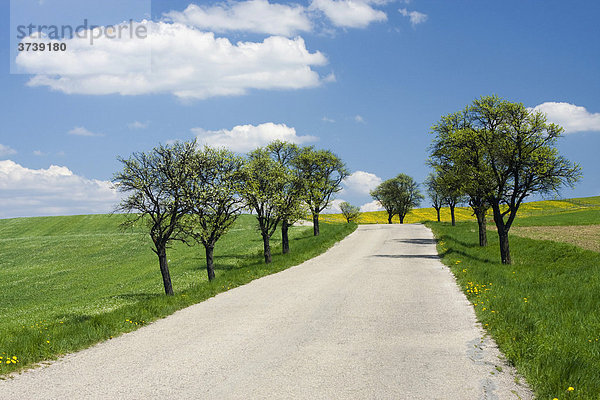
453	153
350	212
263	190
155	182
398	195
451	189
213	199
505	153
384	194
407	195
434	191
292	207
322	173
519	148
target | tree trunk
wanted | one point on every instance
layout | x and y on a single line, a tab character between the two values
504	248
285	241
210	269
401	217
482	227
390	216
452	214
316	224
438	214
502	235
266	248
164	270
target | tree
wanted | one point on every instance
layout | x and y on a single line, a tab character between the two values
408	195
155	183
398	196
451	190
263	189
322	172
504	153
384	194
350	212
291	208
454	153
434	191
519	147
213	199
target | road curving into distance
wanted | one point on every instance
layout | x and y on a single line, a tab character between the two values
375	317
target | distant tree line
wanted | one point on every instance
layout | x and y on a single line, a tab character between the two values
194	195
494	154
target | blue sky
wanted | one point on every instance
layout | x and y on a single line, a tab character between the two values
364	78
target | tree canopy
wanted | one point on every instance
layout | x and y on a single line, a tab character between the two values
502	153
322	172
155	183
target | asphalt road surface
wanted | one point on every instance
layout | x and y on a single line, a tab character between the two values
376	317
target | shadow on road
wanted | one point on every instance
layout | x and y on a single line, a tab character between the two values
416	241
426	256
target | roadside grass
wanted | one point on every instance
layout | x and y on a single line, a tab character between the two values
542	310
67	283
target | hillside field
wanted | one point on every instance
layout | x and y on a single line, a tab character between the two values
69	282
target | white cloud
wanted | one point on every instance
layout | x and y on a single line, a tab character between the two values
82	131
361	182
6	150
334	207
38	153
359	119
137	125
349	13
257	16
52	191
372	206
175	59
326	119
243	138
415	17
571	117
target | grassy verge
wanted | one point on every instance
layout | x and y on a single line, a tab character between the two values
542	310
69	282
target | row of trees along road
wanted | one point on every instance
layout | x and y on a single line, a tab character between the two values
495	153
183	193
398	196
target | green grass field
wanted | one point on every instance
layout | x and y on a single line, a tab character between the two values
543	309
69	282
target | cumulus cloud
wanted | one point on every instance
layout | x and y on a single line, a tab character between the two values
571	117
372	206
6	150
137	125
349	13
82	131
415	17
174	58
243	138
334	207
52	191
361	182
359	119
257	16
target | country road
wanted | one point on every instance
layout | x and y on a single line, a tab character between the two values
376	317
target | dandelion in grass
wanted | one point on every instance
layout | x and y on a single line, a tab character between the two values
570	389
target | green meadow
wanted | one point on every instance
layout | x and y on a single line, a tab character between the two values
542	310
69	282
